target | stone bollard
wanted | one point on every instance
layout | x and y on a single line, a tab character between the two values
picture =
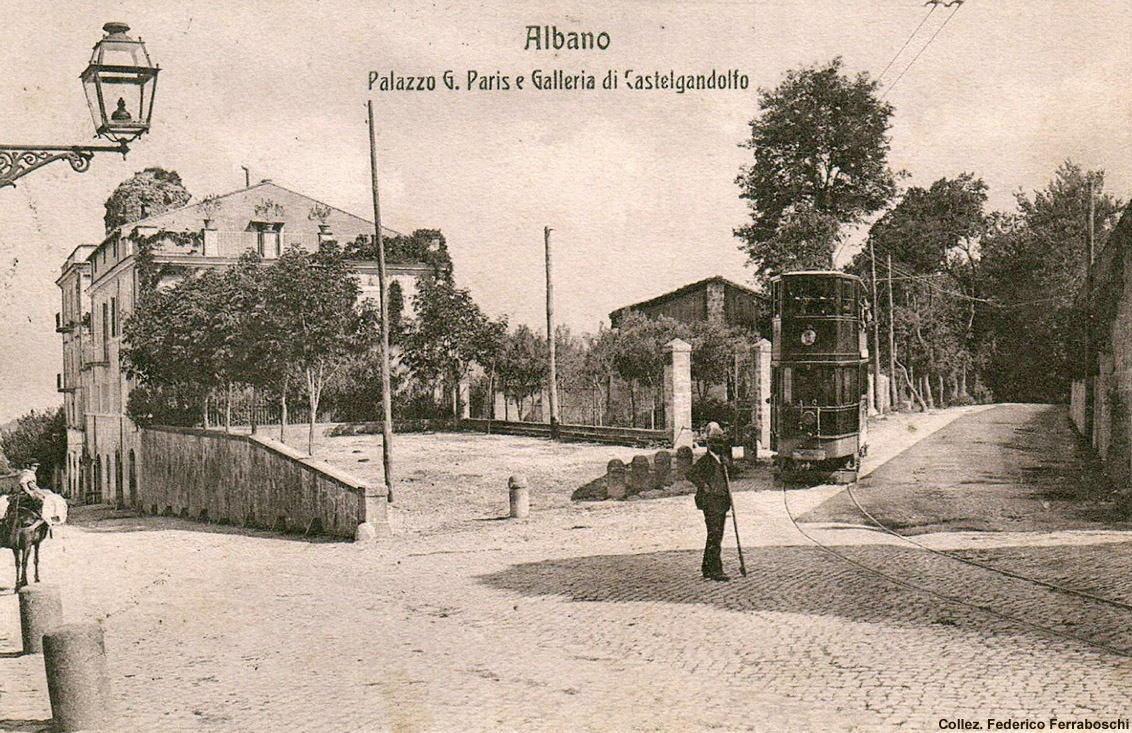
662	468
683	461
40	611
74	656
615	479
520	496
640	475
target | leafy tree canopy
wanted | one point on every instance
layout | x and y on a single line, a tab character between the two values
820	150
151	191
40	435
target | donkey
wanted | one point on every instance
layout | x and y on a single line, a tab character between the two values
22	530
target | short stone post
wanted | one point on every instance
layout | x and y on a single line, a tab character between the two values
519	495
374	509
615	480
662	468
683	461
40	611
639	474
678	392
74	656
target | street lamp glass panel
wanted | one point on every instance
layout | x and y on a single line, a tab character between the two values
120	83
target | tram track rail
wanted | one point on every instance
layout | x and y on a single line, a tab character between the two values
956	600
984	566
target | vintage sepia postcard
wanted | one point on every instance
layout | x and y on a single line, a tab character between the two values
410	366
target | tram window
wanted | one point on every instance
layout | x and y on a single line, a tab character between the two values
848	303
814	385
850	386
817	297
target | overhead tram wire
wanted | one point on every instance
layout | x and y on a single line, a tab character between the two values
908	40
923	48
902	272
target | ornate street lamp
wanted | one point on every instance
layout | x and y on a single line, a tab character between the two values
120	83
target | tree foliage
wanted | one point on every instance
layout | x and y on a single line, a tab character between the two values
820	149
260	324
146	193
39	435
448	334
1034	267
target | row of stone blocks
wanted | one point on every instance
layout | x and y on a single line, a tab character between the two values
623	481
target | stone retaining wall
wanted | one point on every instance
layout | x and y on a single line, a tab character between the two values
250	481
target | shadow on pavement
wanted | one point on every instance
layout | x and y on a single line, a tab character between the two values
124	522
809	581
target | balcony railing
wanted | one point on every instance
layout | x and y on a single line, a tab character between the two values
62	326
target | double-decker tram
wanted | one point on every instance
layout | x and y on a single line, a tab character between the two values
819	378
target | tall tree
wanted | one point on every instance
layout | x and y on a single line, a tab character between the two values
820	148
1034	269
522	366
146	193
933	237
638	355
448	335
310	317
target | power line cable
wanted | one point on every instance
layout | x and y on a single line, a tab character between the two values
907	41
921	51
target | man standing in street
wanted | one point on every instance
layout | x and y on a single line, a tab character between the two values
713	498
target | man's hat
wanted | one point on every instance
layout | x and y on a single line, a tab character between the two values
714	432
33	464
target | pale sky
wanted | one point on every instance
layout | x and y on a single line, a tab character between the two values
638	186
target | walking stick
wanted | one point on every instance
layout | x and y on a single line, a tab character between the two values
734	519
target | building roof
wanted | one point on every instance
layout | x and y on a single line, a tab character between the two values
689	288
180	216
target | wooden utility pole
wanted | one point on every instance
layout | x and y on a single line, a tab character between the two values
894	386
1090	387
553	381
386	398
876	332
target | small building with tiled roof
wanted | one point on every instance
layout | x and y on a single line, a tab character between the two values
715	299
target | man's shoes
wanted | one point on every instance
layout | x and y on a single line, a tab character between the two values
721	577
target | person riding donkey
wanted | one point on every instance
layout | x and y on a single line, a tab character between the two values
47	505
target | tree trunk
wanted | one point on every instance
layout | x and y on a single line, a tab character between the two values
939	386
911	385
255	417
632	405
963	381
206	412
228	410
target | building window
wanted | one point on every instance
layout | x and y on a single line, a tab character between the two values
268	238
113	316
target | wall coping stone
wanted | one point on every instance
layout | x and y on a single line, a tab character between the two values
315	464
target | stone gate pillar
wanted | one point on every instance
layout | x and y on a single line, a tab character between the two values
678	392
762	391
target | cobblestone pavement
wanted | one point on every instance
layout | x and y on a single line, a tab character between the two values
589	617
